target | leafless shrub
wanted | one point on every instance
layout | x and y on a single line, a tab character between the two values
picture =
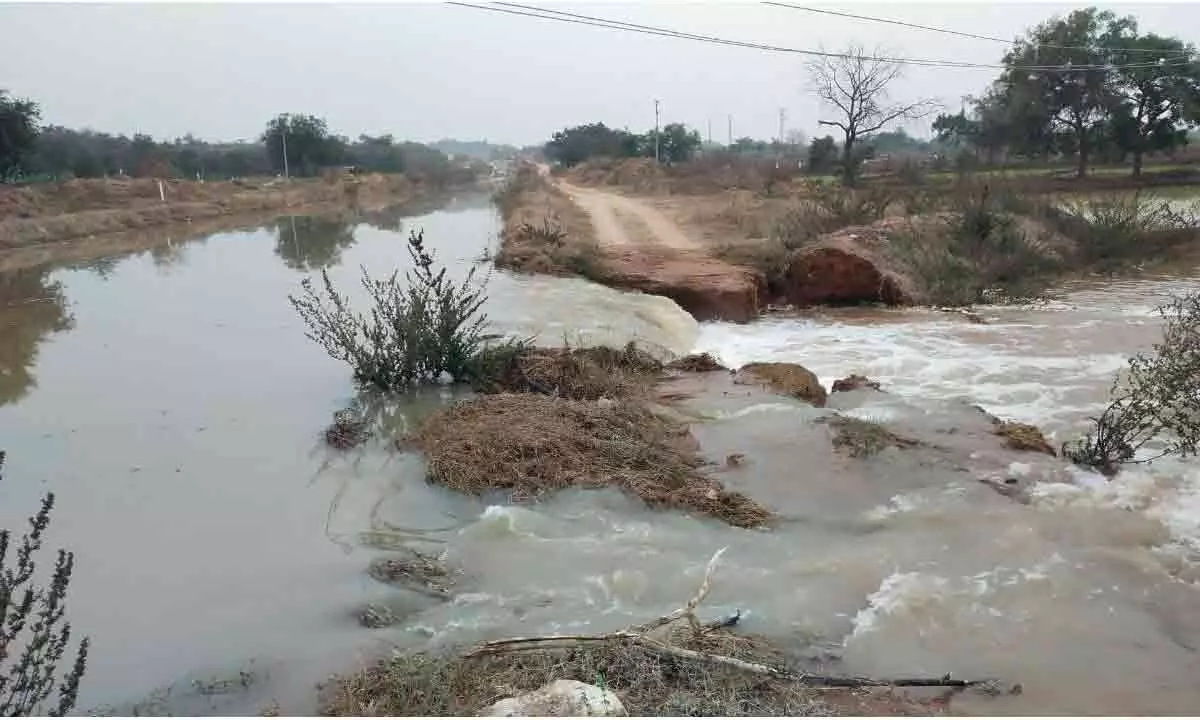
1158	399
34	636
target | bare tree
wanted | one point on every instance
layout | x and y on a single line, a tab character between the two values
856	84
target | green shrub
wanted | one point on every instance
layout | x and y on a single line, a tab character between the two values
1158	399
414	333
34	635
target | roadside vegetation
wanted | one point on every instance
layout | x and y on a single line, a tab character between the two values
35	635
544	231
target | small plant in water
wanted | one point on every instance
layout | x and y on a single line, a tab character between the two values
416	332
33	633
1158	399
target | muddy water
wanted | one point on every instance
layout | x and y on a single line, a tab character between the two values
171	400
1089	593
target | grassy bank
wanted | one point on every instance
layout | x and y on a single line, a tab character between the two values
75	209
544	231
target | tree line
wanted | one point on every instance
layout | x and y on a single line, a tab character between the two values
30	151
674	143
1111	93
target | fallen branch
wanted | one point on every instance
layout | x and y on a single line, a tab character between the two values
638	635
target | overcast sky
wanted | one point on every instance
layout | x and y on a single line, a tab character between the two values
425	71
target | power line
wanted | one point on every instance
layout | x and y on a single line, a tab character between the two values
578	19
947	31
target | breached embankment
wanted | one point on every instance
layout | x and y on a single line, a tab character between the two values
547	231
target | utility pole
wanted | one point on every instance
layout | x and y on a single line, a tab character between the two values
656	157
779	155
730	118
710	131
283	139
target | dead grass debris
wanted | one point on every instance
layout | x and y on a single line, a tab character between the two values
587	373
649	684
863	439
415	570
531	445
698	362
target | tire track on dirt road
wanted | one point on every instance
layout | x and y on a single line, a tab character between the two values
607	209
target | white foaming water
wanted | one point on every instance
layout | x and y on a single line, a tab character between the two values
569	311
1051	365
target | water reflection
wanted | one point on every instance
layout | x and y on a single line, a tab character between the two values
312	242
31	308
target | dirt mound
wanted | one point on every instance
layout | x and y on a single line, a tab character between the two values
786	378
847	266
1019	436
531	445
854	382
934	258
574	373
707	288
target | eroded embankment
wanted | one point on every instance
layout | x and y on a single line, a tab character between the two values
561	229
917	244
111	212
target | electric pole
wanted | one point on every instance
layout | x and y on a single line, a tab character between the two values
283	139
656	157
710	131
779	154
730	118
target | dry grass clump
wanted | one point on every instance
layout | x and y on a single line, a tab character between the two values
863	439
700	362
648	683
575	373
531	445
415	570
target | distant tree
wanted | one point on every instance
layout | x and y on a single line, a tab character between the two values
955	130
18	133
1071	102
855	85
677	143
1156	89
571	146
822	155
309	144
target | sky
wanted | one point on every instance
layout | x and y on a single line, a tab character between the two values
425	71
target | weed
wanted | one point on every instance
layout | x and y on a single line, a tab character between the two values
1158	400
414	334
33	633
1112	229
548	234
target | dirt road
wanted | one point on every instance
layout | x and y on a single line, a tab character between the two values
626	223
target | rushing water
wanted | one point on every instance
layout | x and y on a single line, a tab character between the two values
173	403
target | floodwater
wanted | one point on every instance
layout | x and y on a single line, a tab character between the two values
173	403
